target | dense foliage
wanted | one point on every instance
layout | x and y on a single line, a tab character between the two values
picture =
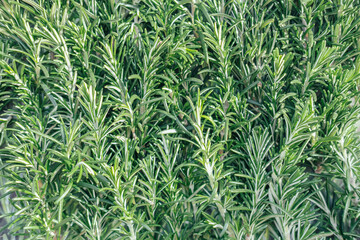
169	119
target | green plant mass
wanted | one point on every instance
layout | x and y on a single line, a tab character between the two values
179	119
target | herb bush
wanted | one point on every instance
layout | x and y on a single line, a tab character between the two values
169	119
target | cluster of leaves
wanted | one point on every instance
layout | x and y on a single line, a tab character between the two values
169	119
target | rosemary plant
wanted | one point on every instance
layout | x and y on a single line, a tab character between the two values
170	119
